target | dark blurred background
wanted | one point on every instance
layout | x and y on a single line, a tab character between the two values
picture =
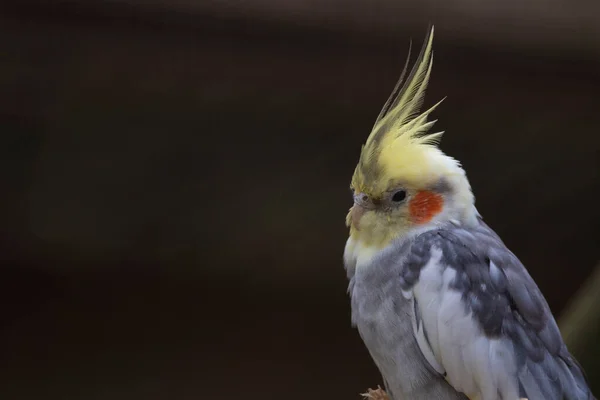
175	180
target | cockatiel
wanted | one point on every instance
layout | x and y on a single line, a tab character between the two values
444	308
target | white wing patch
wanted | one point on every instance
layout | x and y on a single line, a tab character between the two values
426	295
451	341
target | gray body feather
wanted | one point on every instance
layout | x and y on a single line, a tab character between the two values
451	313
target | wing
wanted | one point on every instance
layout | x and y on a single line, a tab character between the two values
482	322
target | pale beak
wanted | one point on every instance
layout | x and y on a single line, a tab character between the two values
356	214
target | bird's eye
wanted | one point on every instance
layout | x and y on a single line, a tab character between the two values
399	196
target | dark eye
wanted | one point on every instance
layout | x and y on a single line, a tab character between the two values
399	196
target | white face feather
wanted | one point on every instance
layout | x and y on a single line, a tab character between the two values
357	255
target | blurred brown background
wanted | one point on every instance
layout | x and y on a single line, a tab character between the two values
175	180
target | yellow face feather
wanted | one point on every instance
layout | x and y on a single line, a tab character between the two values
401	153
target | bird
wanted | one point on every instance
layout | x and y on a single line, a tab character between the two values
445	309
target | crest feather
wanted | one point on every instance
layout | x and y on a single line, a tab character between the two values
399	124
400	114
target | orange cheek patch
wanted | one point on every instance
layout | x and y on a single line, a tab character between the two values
424	206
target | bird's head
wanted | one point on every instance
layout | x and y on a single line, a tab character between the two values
403	181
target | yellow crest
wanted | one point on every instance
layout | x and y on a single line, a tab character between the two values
399	146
